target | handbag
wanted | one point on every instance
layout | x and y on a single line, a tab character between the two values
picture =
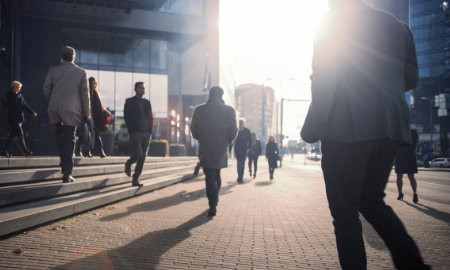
87	135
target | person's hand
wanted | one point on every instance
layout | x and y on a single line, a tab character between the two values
88	118
34	114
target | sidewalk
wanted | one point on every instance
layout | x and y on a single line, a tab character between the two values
262	224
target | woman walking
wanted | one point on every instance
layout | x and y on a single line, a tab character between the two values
272	155
406	163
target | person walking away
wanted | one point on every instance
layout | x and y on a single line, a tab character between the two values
272	155
406	163
281	155
242	146
253	155
139	120
15	103
66	90
363	62
214	126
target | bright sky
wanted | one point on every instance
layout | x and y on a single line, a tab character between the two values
269	42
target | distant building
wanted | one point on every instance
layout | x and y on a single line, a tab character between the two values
257	105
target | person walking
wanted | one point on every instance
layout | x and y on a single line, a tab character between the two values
253	155
214	126
272	155
406	163
66	90
15	103
242	146
139	120
363	62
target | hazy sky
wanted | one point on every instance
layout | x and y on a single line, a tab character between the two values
269	41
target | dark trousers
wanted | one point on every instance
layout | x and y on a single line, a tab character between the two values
139	142
65	143
240	168
16	130
98	141
356	175
213	183
253	160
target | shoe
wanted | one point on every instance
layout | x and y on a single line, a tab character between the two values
68	178
415	198
212	212
250	173
5	154
28	153
128	169
400	197
87	154
135	183
102	153
254	175
271	177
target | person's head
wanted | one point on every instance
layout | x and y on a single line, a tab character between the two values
16	86
67	53
139	88
271	139
93	83
254	136
241	123
216	91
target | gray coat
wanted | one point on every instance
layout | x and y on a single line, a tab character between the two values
362	65
66	90
214	126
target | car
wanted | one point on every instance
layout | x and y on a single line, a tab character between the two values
315	156
420	163
440	162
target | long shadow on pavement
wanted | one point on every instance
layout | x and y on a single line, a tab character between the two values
263	183
143	253
431	211
166	202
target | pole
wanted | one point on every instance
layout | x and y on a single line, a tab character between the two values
263	116
431	123
281	124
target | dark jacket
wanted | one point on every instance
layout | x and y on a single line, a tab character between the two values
98	113
363	62
138	115
255	149
243	143
272	154
214	126
16	105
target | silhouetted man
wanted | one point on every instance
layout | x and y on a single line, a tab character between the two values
364	60
253	155
139	120
242	146
67	93
214	126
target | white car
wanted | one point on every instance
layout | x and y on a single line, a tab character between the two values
440	162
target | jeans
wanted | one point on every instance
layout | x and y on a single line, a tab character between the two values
213	183
240	168
356	175
65	143
139	142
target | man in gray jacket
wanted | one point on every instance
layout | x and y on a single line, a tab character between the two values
364	60
66	90
214	126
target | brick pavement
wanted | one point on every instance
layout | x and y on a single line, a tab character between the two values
283	224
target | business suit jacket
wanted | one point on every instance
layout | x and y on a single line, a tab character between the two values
66	90
364	60
243	143
214	126
16	105
255	149
134	116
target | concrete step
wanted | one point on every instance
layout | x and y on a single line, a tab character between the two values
36	191
24	216
89	168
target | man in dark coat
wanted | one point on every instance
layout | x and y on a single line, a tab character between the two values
364	60
214	126
242	146
16	105
253	154
139	120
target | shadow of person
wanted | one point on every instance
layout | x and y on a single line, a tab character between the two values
166	202
143	253
443	216
263	183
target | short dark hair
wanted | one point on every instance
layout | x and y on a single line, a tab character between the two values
216	91
67	53
91	79
137	84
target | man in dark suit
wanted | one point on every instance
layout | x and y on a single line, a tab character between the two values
253	154
242	146
139	120
214	126
364	60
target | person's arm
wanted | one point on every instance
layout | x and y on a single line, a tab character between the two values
232	129
85	96
150	117
28	108
194	128
411	68
126	114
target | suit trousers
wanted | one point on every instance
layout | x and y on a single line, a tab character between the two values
253	160
139	142
65	144
213	183
355	176
240	168
16	130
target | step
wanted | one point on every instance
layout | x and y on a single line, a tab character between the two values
20	217
11	176
34	191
